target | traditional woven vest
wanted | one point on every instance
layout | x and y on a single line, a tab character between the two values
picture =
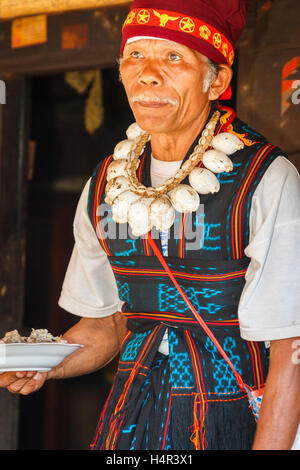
206	255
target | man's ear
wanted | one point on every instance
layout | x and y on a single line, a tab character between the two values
221	82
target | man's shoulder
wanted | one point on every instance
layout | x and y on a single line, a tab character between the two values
281	172
250	136
260	158
253	137
278	171
247	131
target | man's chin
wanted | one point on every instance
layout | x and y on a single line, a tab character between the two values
154	125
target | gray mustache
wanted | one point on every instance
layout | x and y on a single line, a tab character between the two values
153	99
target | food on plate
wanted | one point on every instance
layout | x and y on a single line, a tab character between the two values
36	336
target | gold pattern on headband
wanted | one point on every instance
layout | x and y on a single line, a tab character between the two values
187	25
164	18
143	16
205	32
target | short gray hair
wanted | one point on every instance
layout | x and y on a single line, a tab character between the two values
211	74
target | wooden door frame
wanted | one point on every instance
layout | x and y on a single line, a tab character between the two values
14	117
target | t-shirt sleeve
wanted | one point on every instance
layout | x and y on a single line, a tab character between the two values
89	288
269	306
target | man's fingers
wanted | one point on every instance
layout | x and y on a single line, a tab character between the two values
22	382
34	384
8	378
28	374
21	374
17	385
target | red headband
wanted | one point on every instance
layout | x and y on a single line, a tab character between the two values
178	27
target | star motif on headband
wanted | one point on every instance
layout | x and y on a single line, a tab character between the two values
187	24
143	16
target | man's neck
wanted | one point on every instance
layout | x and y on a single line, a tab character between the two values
175	145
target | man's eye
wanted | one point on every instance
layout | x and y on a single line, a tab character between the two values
136	54
173	57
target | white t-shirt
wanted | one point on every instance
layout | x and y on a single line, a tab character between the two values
269	306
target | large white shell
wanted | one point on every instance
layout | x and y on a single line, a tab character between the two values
184	198
121	204
204	181
227	143
117	168
217	161
123	150
139	216
162	213
115	187
133	131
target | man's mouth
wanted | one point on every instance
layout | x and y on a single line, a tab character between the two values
153	101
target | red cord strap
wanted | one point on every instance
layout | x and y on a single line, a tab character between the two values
194	311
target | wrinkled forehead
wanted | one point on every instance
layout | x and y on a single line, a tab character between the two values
137	39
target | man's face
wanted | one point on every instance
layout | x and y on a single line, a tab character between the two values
163	81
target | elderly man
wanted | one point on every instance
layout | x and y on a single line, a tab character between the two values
180	385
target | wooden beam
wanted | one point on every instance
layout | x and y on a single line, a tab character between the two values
75	40
17	8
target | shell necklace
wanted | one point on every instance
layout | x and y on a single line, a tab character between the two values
146	207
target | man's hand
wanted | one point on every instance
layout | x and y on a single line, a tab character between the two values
101	338
280	410
23	382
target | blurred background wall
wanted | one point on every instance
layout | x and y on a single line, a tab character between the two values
65	110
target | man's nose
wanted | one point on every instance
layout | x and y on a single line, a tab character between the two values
150	74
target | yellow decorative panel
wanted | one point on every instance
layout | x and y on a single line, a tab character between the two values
29	31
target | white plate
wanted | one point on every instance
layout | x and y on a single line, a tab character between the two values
33	356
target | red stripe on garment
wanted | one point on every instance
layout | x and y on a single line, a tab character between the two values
99	187
196	277
167	422
240	210
237	207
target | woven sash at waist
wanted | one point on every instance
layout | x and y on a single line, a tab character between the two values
213	288
177	320
139	322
